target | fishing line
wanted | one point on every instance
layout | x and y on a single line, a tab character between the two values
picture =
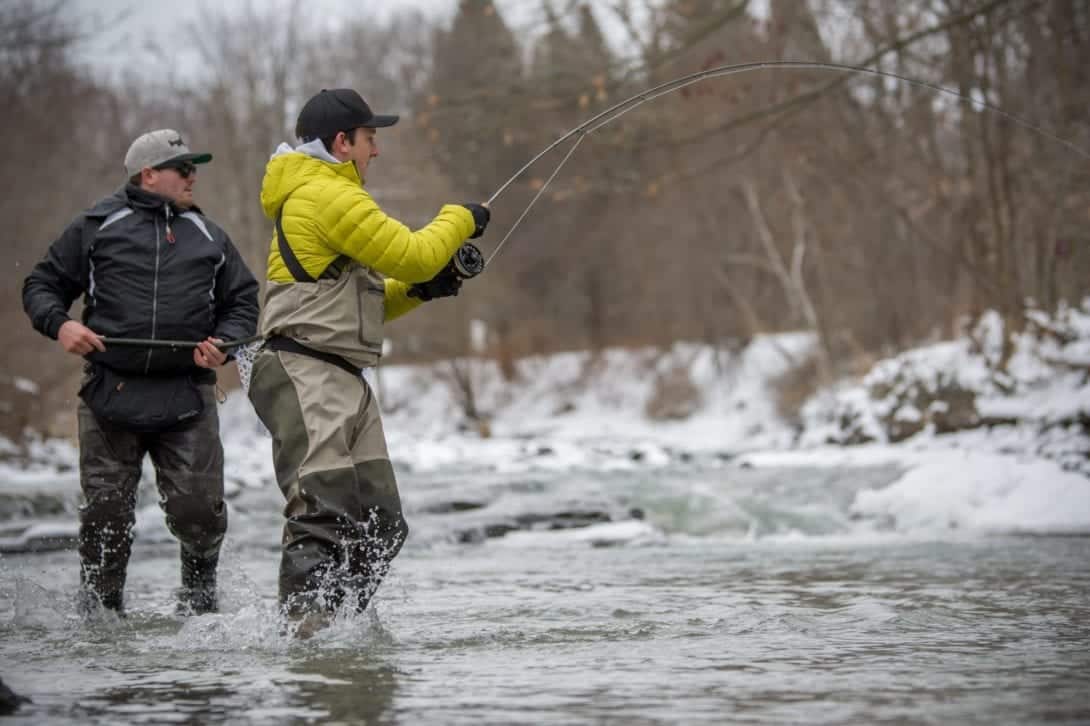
471	261
536	197
617	110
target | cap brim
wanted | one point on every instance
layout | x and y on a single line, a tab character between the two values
191	158
378	121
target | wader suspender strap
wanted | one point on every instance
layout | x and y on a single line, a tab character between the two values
332	272
280	342
286	253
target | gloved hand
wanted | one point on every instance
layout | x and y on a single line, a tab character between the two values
481	217
445	284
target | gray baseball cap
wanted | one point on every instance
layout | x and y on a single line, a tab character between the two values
158	147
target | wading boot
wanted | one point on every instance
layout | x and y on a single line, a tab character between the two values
305	613
197	595
10	701
90	603
306	625
98	593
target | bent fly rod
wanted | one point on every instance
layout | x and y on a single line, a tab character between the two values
469	262
617	110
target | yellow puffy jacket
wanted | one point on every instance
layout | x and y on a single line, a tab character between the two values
328	213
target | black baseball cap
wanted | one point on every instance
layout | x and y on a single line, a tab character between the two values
337	109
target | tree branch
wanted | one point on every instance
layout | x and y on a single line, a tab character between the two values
796	103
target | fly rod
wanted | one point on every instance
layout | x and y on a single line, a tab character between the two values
175	344
617	110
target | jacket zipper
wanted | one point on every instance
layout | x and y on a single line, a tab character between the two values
155	285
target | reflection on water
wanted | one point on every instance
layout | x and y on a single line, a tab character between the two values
363	691
166	697
360	692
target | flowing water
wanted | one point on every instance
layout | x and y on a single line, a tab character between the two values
714	594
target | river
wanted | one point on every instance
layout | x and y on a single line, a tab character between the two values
690	594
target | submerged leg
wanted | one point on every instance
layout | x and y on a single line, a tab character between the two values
109	475
189	468
343	514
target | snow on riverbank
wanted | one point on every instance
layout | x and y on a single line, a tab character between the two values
980	451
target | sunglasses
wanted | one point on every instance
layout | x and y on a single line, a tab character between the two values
185	169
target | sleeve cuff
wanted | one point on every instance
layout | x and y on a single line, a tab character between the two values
54	326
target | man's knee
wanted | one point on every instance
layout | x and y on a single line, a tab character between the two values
198	520
112	508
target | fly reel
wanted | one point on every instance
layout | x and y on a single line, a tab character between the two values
467	261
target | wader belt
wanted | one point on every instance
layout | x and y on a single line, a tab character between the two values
288	345
332	272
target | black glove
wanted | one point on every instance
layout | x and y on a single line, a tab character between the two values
481	217
445	284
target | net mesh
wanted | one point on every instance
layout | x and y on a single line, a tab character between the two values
245	355
244	359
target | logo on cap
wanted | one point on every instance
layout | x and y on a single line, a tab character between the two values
176	142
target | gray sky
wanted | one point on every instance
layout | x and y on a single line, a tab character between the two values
126	24
120	26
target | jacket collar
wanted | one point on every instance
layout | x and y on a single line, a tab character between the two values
316	150
133	197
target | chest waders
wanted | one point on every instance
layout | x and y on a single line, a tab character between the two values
188	462
344	523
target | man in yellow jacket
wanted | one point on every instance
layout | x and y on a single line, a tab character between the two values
339	268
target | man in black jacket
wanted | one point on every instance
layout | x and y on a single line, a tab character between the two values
149	265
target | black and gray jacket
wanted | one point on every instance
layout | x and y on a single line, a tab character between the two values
146	269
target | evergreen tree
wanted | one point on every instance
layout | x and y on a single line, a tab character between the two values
593	51
471	114
555	71
571	70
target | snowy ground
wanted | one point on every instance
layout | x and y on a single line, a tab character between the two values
1028	473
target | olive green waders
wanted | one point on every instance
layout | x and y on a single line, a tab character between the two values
344	523
189	475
